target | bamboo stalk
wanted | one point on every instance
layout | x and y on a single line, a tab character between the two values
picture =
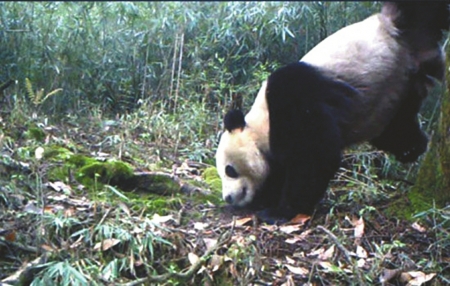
180	61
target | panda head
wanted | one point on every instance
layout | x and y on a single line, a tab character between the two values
240	159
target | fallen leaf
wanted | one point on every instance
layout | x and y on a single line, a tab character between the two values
77	243
60	186
125	208
69	212
297	270
289	281
39	153
416	278
52	209
106	244
32	208
388	274
300	219
215	262
359	227
293	240
157	219
418	227
326	265
209	242
289	260
317	252
193	258
57	197
10	235
279	273
243	221
290	228
327	254
47	247
298	237
200	225
361	262
269	227
361	252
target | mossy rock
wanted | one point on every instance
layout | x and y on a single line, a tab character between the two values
68	162
57	153
79	161
111	172
155	183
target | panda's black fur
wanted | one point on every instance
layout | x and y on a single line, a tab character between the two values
301	150
312	110
403	137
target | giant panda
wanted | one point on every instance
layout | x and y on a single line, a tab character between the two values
365	82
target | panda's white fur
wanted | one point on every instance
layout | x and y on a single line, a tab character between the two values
379	76
368	56
243	149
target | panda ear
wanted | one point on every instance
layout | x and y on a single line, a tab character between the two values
234	119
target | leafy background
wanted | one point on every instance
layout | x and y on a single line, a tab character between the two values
147	83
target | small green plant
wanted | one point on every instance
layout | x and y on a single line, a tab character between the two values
37	98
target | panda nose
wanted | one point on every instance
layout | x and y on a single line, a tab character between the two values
229	199
232	199
244	192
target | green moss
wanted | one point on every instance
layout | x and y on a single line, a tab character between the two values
152	203
409	205
211	177
35	133
57	153
60	173
78	160
108	172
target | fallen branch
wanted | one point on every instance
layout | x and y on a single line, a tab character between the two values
338	244
223	239
157	183
26	273
344	250
15	245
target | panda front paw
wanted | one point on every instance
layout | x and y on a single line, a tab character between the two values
275	216
412	154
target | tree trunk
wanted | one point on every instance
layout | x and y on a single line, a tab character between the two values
433	178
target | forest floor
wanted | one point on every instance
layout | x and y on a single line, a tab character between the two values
60	226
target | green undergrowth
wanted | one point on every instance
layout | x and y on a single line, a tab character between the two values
149	204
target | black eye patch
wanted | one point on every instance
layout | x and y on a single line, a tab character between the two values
231	172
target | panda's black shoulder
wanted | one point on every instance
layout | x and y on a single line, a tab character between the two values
299	87
294	73
304	103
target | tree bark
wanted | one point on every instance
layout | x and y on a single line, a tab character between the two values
433	178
